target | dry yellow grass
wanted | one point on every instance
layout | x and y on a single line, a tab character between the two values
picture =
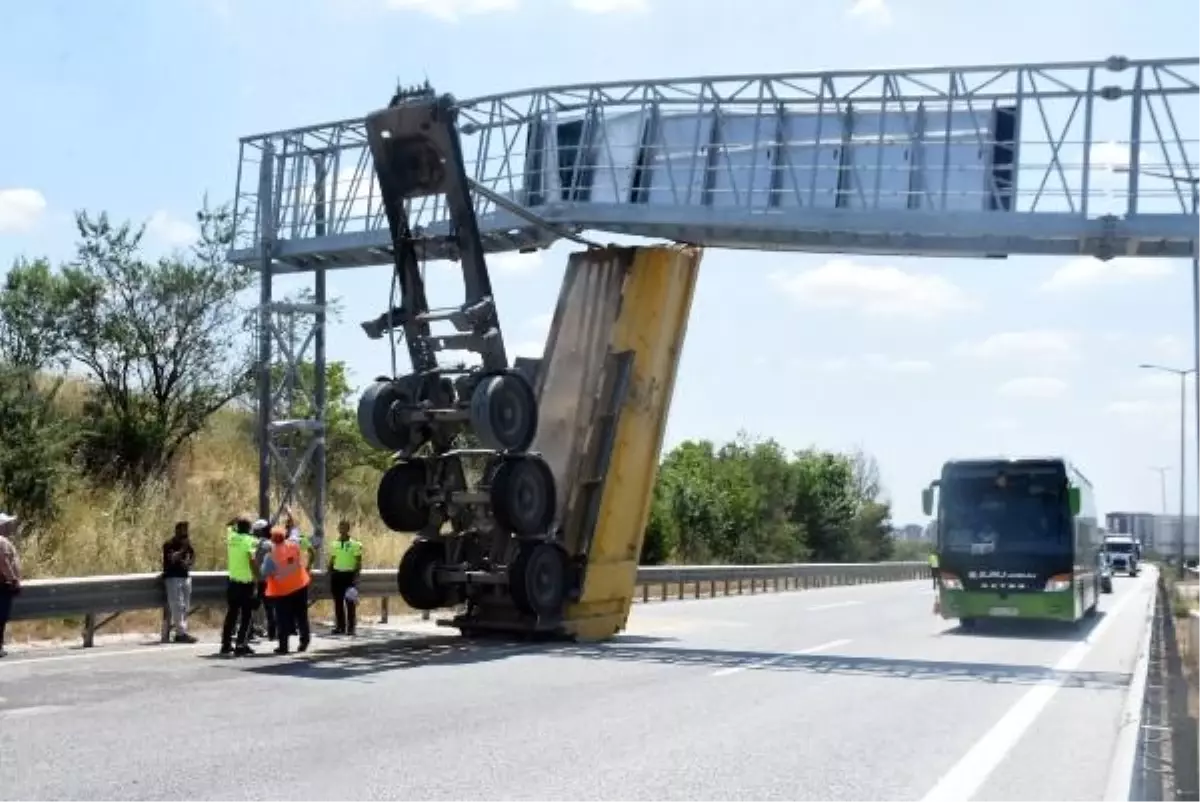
114	531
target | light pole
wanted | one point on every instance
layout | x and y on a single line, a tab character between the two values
1182	373
1161	470
1194	183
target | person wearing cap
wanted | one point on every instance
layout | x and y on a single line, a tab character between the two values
345	564
264	611
287	587
240	590
10	571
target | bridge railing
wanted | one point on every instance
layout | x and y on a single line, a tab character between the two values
99	600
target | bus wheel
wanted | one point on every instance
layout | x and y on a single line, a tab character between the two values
967	623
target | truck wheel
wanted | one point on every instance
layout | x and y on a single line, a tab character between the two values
417	579
537	578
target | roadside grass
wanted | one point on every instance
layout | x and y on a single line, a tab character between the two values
103	531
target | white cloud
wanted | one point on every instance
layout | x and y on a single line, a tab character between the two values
171	231
1110	155
515	264
889	365
452	10
867	362
534	333
20	210
1002	423
1144	408
540	323
1159	381
833	364
611	6
1036	387
455	10
1043	345
873	12
883	291
1087	271
528	348
1169	346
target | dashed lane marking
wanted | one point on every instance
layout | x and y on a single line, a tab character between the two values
833	644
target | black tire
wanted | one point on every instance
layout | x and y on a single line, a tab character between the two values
967	623
374	419
523	495
416	578
401	497
537	579
504	412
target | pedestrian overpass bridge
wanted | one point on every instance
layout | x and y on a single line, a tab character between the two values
1083	158
1071	159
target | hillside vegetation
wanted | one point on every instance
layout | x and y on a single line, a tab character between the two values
124	406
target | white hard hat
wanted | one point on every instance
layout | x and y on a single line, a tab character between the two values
260	524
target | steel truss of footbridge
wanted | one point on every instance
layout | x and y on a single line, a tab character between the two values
1081	158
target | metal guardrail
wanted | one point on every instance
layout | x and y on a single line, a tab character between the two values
107	597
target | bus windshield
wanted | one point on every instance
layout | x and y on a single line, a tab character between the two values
1119	548
1018	512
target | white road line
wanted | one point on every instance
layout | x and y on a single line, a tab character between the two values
833	644
972	771
148	650
833	604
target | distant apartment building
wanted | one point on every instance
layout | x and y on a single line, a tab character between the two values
909	532
1157	533
1167	532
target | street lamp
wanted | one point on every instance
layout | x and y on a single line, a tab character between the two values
1182	373
1194	182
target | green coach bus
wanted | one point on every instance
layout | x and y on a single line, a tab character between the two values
1016	538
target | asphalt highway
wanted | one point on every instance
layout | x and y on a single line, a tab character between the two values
844	693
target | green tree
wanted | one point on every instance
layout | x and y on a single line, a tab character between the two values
35	438
749	501
158	339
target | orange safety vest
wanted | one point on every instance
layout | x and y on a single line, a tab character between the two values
289	575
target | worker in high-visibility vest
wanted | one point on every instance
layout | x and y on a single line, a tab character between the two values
287	588
345	564
240	591
934	572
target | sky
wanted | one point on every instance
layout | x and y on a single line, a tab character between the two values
135	107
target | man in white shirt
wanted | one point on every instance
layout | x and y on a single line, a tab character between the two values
264	613
10	571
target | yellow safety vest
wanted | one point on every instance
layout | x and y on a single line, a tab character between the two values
346	554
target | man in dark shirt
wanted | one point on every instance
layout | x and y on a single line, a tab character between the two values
178	558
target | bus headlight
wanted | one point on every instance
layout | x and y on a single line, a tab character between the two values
1058	582
951	582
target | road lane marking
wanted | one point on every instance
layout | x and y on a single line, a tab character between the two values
832	605
833	644
967	776
58	658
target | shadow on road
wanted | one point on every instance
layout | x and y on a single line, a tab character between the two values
1016	629
386	653
377	653
948	671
